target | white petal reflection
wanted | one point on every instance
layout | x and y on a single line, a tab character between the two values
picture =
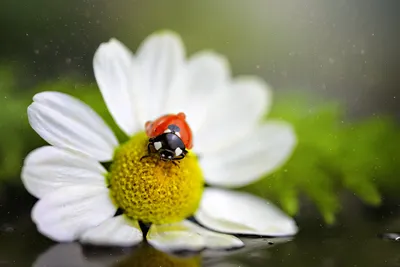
71	255
75	255
254	248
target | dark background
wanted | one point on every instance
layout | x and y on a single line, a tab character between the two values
343	49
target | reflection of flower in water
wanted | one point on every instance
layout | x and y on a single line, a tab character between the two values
147	256
65	255
256	249
79	198
73	255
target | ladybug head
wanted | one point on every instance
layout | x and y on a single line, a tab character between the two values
166	155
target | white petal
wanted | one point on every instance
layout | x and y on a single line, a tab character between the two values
234	114
174	237
242	213
49	168
207	74
116	231
215	240
116	74
66	213
188	236
261	152
161	61
66	122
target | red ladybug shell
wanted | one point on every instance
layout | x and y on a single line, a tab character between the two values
160	125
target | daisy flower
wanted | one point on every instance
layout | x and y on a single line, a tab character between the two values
79	198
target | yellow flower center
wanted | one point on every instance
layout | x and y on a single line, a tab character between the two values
152	190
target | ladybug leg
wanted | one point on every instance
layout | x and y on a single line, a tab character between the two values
145	156
175	163
184	152
149	145
148	151
181	156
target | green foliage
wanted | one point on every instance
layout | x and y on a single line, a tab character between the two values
14	133
332	155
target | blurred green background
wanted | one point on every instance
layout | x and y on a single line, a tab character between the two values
333	66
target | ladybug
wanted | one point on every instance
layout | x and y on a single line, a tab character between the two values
160	126
170	136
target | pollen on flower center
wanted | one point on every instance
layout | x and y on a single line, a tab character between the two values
152	190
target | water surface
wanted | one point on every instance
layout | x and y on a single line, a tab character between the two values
353	242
